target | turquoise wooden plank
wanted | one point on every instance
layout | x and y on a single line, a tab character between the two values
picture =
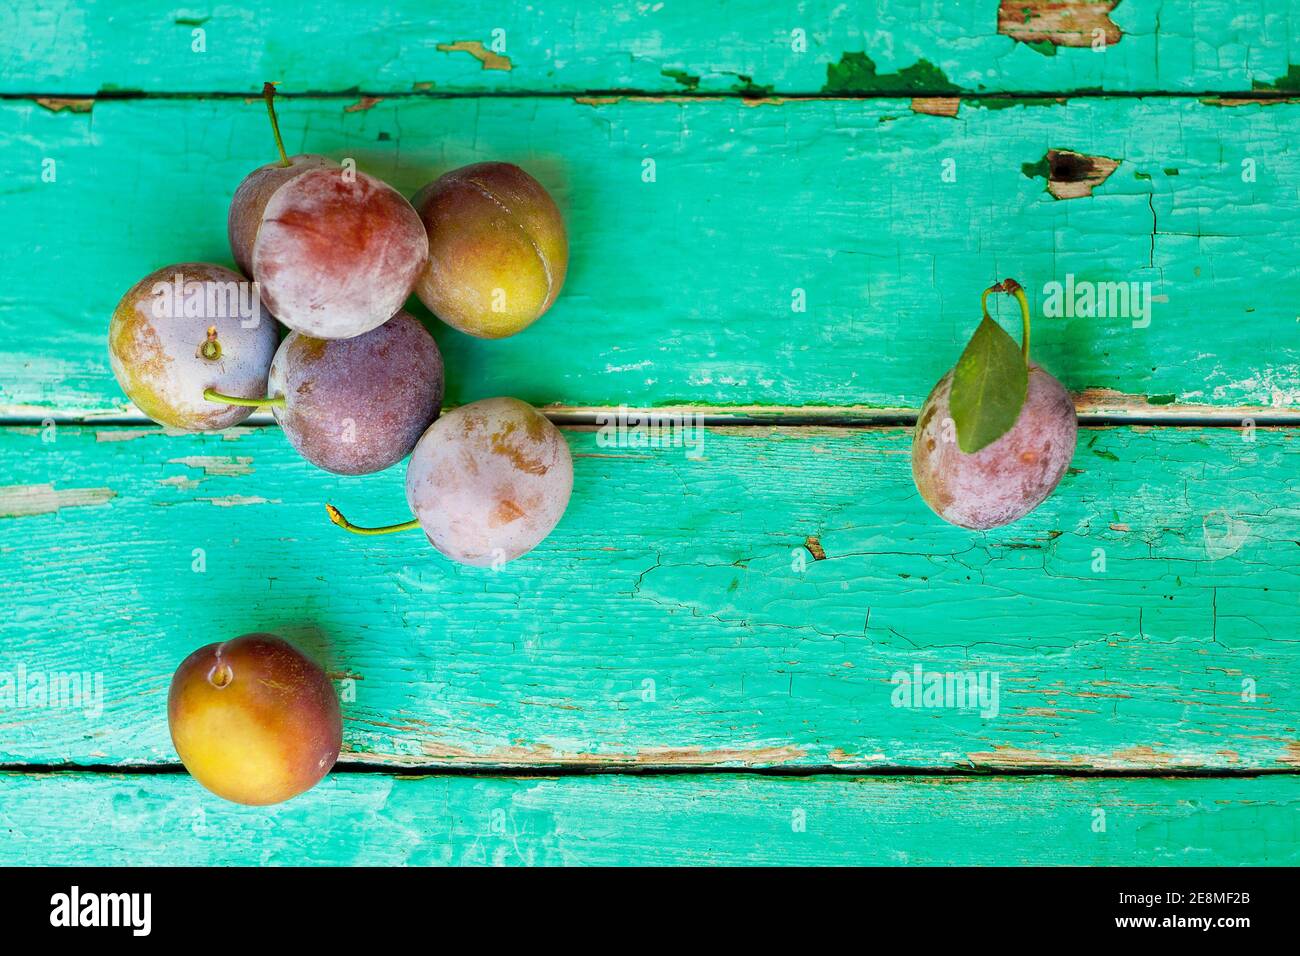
374	819
748	46
1142	618
683	290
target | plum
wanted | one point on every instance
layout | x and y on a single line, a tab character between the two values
250	199
254	720
992	454
337	254
186	328
356	406
497	249
1005	480
487	482
334	252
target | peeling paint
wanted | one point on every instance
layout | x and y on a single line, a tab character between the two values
689	81
1003	757
1077	23
363	104
646	756
131	434
856	73
1139	756
1288	81
1247	100
57	104
22	501
1071	175
814	546
696	757
216	465
237	501
124	434
490	60
936	105
1276	386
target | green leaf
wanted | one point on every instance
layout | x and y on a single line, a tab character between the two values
988	387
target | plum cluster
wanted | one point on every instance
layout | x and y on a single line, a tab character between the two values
357	385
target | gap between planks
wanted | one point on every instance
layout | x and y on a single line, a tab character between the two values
614	768
753	416
773	96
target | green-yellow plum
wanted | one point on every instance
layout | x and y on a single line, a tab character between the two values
254	720
498	251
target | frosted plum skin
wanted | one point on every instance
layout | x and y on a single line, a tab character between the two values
489	481
158	358
1006	479
357	406
337	252
249	202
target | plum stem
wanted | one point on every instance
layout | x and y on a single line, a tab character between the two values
1012	287
210	349
337	517
268	93
212	395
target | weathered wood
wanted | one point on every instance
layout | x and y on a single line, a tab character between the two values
374	819
750	607
685	289
747	47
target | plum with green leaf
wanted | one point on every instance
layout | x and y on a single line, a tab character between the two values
997	432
